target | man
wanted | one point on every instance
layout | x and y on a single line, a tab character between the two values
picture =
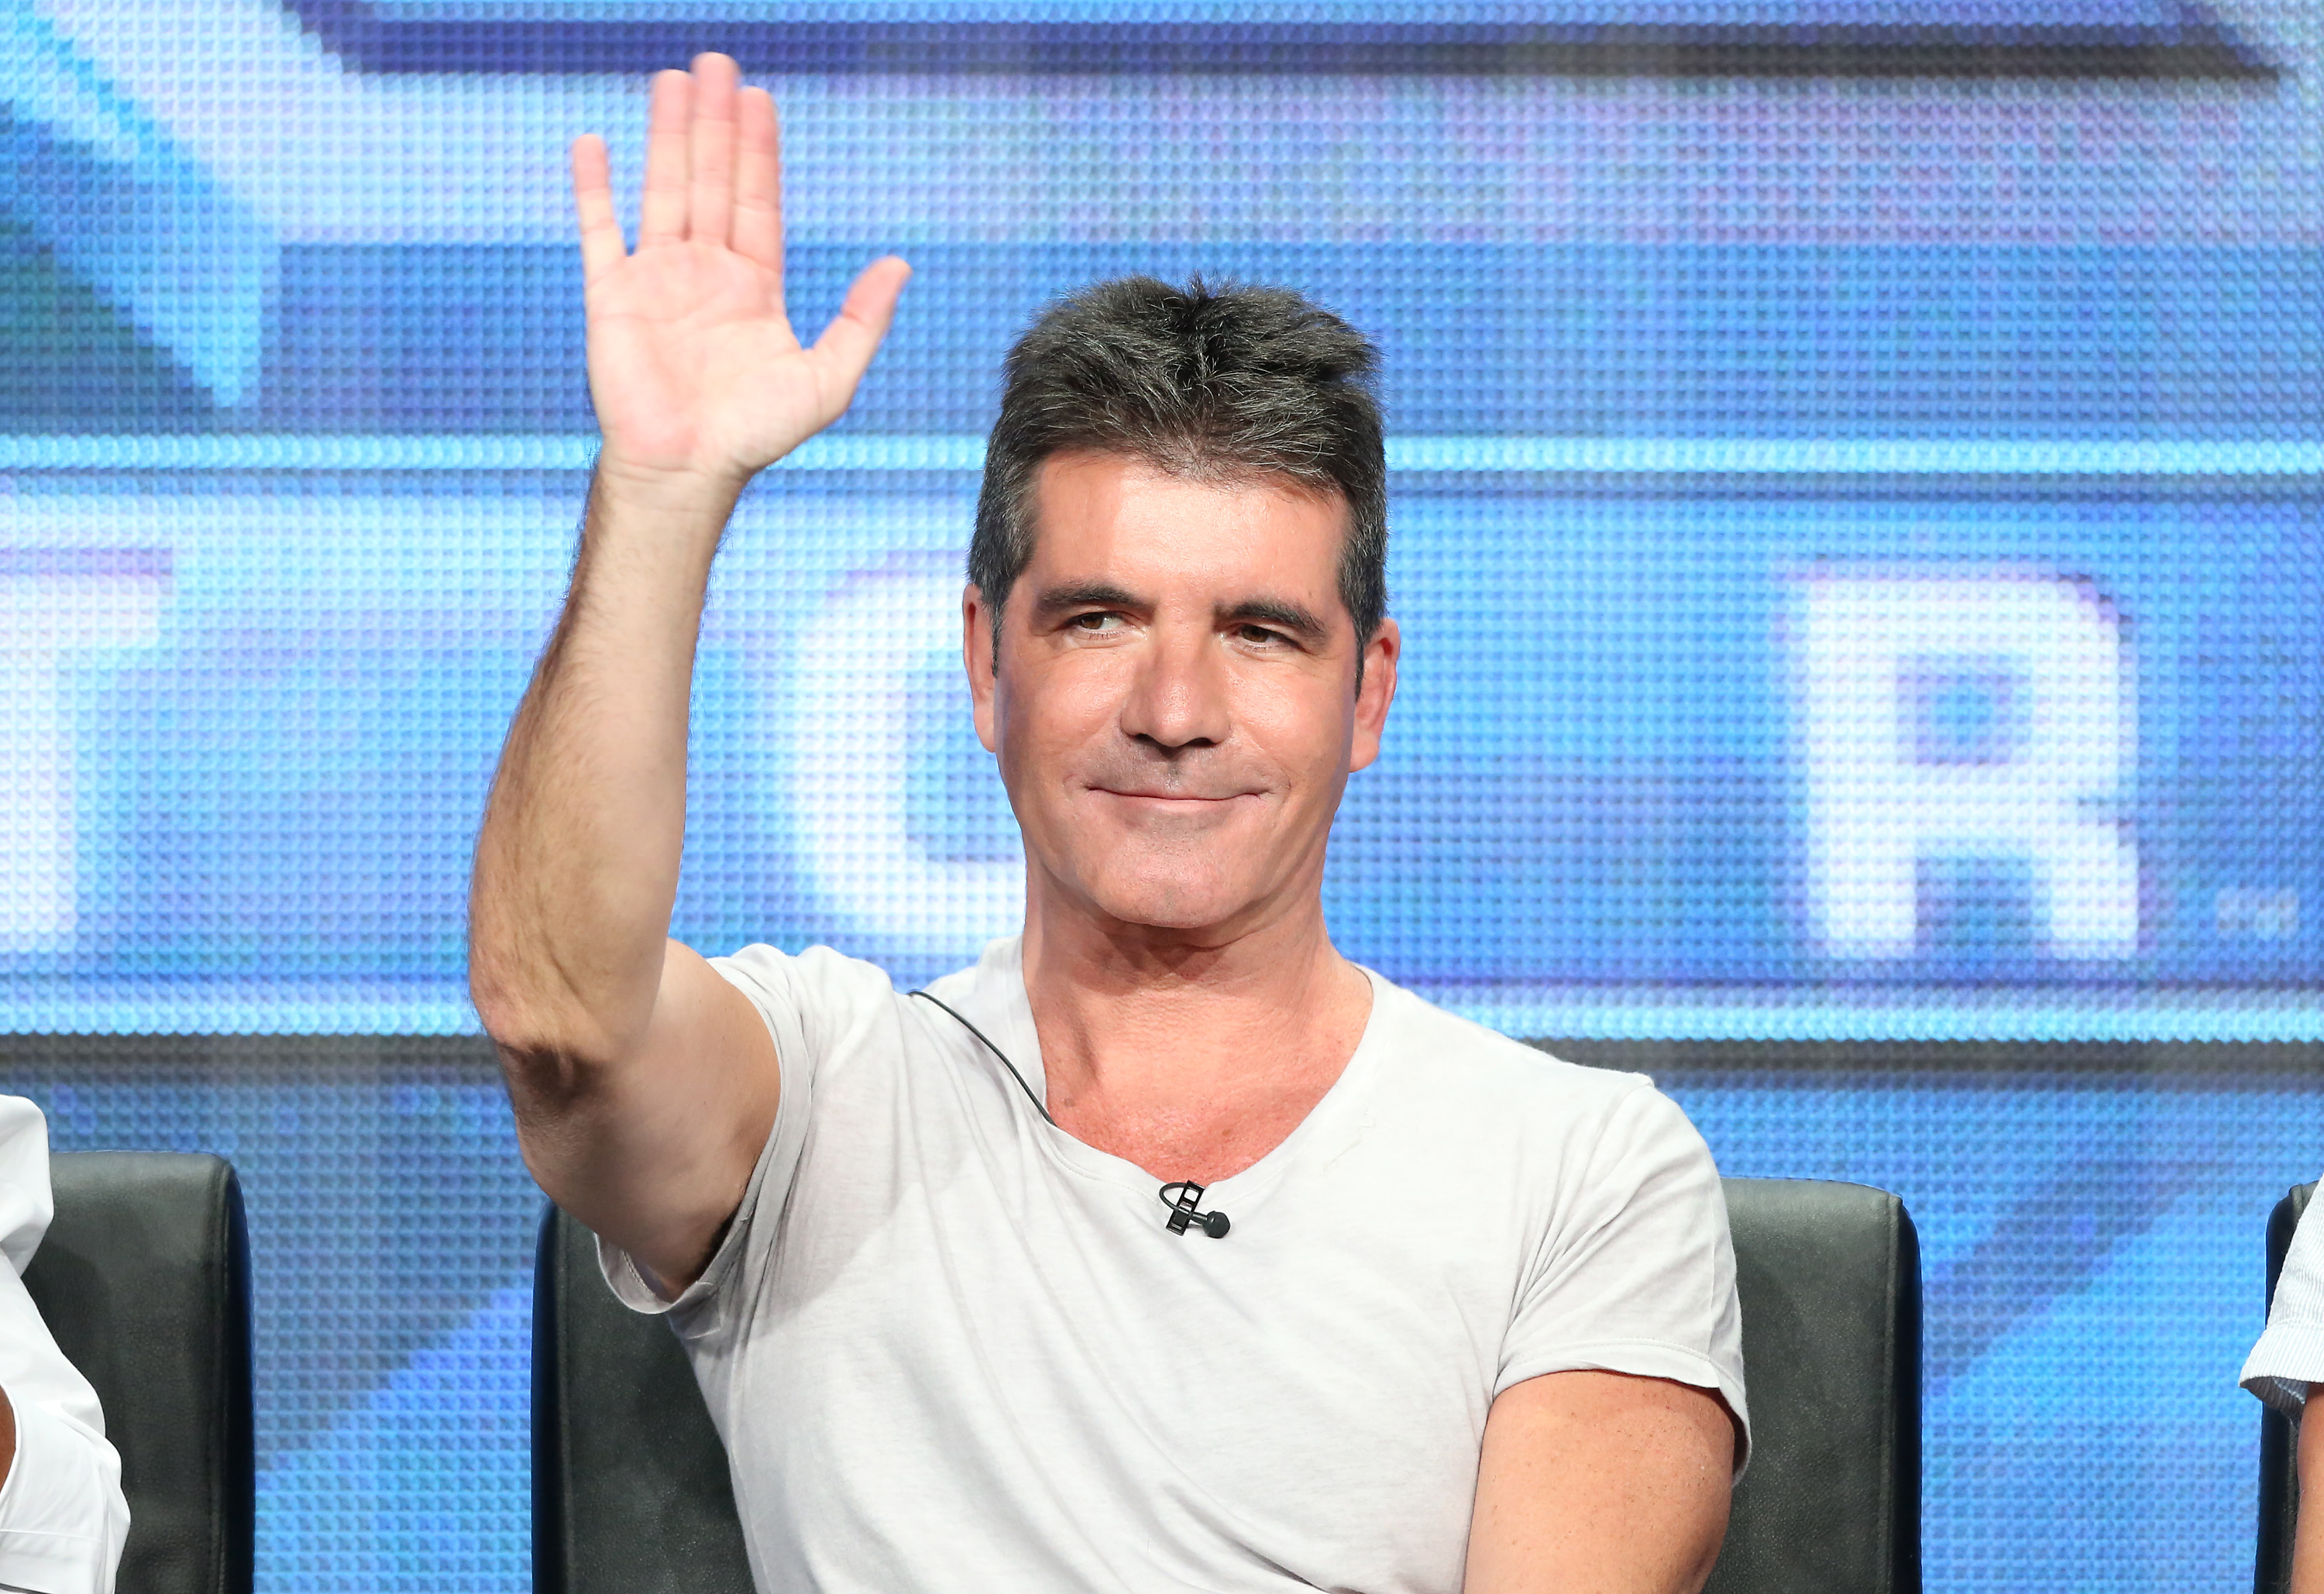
952	1270
62	1517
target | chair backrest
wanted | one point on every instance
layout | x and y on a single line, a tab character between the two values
144	1280
630	1490
1830	1276
2279	1486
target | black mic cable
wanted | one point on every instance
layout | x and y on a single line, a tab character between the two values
997	1052
1181	1196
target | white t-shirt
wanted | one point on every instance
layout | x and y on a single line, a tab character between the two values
63	1515
2290	1355
949	1346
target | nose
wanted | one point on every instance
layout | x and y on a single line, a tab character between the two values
1178	697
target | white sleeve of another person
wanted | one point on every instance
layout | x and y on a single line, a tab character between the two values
2290	1356
62	1517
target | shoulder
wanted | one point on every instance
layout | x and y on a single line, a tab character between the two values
26	1203
820	996
819	972
2303	1264
1431	1050
23	1142
20	1119
1484	1098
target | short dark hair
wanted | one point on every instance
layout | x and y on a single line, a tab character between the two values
1205	382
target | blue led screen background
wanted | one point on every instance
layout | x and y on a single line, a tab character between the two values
1854	523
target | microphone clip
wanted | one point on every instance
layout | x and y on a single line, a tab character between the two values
1182	1198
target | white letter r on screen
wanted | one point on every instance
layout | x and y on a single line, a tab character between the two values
1976	715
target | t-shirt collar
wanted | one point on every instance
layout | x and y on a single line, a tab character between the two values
996	999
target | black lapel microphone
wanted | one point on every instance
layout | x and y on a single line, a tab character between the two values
1187	1196
1182	1215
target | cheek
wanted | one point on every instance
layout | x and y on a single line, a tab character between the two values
1305	734
1043	715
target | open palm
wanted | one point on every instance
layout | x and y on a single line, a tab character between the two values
693	363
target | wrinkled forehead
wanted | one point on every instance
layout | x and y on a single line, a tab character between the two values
1135	524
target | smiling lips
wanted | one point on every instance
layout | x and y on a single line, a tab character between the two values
1170	800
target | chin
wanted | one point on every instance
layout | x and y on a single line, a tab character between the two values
1169	894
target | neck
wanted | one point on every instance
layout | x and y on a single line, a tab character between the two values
1189	1044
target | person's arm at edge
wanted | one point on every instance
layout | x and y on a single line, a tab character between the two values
2308	1537
644	1084
1601	1483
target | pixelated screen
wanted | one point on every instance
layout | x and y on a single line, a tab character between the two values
1854	521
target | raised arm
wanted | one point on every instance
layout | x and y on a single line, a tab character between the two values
644	1084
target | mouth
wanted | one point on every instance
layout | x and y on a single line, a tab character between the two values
1171	802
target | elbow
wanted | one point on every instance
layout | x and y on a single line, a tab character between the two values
559	1009
550	1049
505	1006
550	1070
546	1081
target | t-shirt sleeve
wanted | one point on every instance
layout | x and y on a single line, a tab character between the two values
805	1002
2290	1355
1635	1271
62	1513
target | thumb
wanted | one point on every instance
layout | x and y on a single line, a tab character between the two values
847	345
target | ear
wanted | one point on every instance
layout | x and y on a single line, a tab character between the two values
1376	692
977	628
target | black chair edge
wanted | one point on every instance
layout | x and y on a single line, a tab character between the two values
549	1541
1906	1404
238	1500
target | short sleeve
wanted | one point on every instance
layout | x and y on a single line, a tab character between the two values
62	1517
62	1513
808	1004
1635	1271
2290	1355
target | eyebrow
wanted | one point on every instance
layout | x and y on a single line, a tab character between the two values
1281	613
1086	594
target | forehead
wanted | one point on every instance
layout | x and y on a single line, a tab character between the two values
1122	518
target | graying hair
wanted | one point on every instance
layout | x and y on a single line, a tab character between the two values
1209	383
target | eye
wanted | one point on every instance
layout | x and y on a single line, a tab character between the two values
1259	636
1097	623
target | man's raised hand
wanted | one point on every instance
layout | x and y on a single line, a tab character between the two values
693	365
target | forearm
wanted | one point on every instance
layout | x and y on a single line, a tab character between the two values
699	382
2308	1544
577	865
644	1084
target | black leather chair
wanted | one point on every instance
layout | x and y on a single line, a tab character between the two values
2279	1485
630	1491
144	1280
1830	1276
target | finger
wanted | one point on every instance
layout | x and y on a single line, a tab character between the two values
662	218
759	182
848	344
593	203
710	146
